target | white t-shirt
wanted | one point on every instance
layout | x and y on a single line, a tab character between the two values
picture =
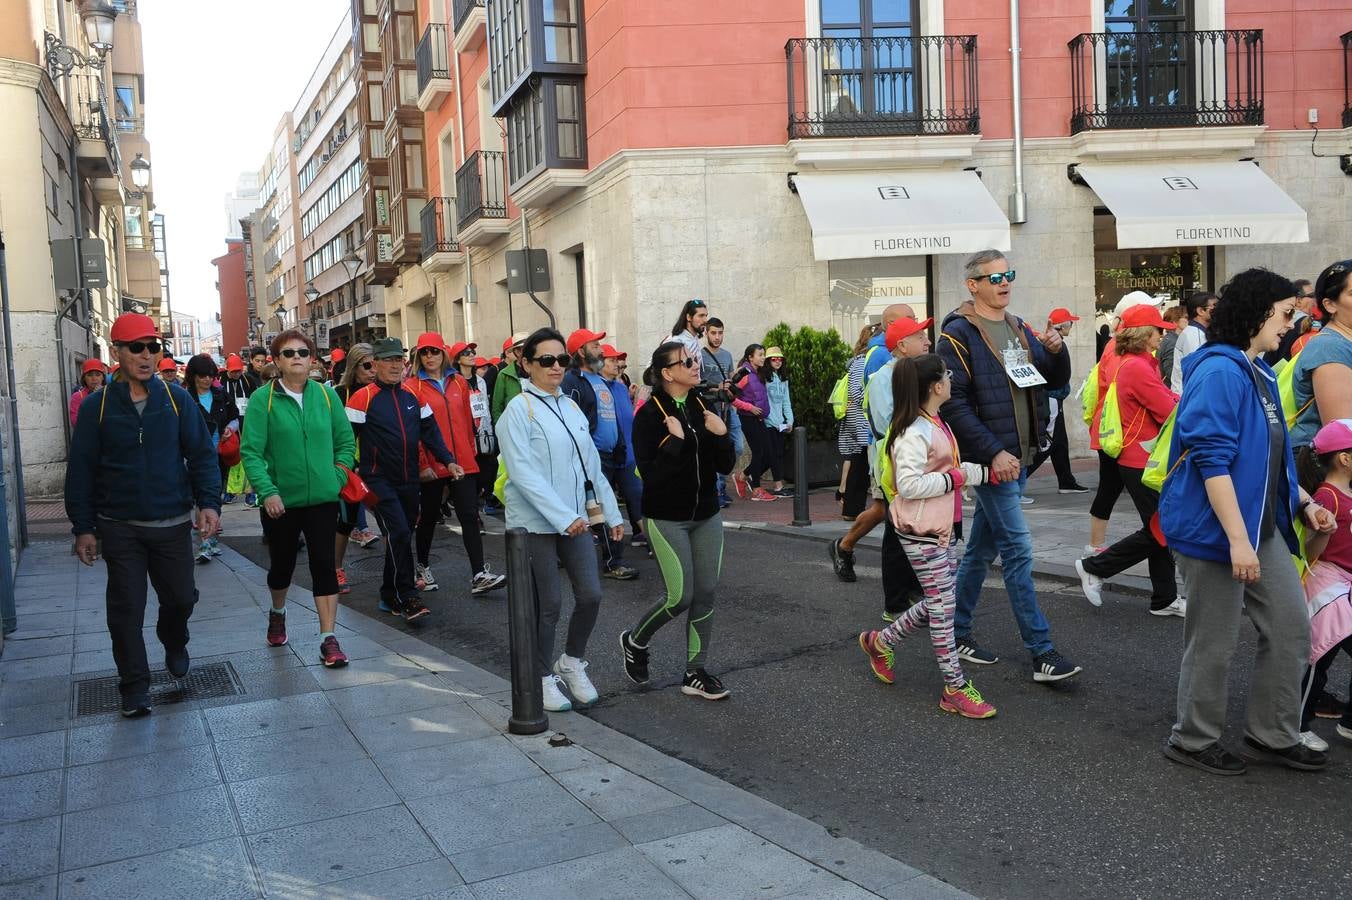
1191	339
299	398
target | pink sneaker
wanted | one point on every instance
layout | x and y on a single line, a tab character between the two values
331	654
966	701
880	655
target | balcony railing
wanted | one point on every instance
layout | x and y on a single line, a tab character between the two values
137	241
462	10
870	87
90	118
131	124
1166	79
1347	80
480	188
433	57
436	230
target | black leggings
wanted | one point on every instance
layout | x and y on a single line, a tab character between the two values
464	495
775	446
317	523
488	474
856	485
1110	487
758	439
1320	673
1139	545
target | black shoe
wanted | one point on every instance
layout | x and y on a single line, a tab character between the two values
700	683
620	573
1327	706
1214	759
177	661
635	659
413	609
843	562
971	652
639	540
1052	666
1297	756
1073	488
135	707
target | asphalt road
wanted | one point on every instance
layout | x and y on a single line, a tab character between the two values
1063	794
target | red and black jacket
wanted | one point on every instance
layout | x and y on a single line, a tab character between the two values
390	422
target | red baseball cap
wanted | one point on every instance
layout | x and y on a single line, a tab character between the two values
168	365
92	365
1061	316
900	329
430	339
495	361
133	326
338	355
233	363
1141	315
459	348
480	361
583	336
609	352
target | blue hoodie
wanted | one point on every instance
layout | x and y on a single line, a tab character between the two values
1223	429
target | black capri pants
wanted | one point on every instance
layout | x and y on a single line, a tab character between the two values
1110	487
317	523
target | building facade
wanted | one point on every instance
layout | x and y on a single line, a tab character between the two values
232	286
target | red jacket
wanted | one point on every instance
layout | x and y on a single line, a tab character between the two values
1144	401
450	407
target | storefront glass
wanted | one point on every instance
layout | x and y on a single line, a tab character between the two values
862	288
1170	273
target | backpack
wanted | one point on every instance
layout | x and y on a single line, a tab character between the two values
1157	466
840	393
1089	396
1112	436
1286	391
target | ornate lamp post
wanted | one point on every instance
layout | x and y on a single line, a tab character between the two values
352	262
311	295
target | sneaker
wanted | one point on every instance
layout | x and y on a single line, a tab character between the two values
1344	731
177	661
1073	488
573	671
486	581
970	651
331	654
1297	756
215	547
393	607
639	540
414	610
880	656
1327	706
843	562
1178	608
1091	550
724	501
251	501
966	701
1314	741
1092	585
555	701
620	573
890	617
1214	759
700	683
739	485
203	555
367	538
276	629
135	707
784	492
635	659
1052	666
762	495
1026	501
228	498
343	586
423	579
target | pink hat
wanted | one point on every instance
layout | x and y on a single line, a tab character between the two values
1333	437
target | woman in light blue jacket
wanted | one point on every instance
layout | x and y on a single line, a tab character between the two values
555	487
780	417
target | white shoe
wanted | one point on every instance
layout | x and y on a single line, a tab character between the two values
574	674
486	581
1314	741
1092	585
554	699
1344	731
423	579
1026	501
1091	550
1178	608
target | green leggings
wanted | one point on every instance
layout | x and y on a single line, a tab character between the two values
690	555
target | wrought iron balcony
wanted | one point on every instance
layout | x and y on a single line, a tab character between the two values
1166	79
462	11
434	65
1347	80
480	188
882	86
97	138
436	230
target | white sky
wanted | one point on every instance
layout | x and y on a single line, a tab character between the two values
219	76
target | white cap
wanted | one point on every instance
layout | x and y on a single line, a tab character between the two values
1135	298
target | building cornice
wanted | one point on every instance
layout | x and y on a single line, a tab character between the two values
20	73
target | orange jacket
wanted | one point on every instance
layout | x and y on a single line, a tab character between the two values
450	407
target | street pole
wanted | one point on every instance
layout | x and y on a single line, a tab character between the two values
801	516
528	704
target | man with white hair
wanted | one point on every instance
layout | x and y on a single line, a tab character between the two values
1199	307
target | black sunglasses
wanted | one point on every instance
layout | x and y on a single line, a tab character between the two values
139	347
428	351
368	366
549	360
302	352
689	363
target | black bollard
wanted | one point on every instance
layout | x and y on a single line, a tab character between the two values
528	704
801	516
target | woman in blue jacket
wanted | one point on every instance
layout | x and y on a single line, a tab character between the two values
1228	509
779	420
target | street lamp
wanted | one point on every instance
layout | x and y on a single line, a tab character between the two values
98	17
352	262
140	172
311	295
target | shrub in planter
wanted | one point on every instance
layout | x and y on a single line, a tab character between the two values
815	360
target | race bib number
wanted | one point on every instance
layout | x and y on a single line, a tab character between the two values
478	405
1019	369
242	403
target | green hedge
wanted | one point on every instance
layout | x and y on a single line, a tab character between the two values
816	360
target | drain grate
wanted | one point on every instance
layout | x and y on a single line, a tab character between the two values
203	682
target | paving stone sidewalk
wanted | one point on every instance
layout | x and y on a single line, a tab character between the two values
394	777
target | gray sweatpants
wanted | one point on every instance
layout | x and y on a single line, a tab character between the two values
578	557
1216	604
690	555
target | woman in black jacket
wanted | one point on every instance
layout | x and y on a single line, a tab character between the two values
222	418
681	447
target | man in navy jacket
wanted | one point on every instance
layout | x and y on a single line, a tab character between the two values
998	415
140	460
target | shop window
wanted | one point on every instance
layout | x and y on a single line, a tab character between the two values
860	289
1167	273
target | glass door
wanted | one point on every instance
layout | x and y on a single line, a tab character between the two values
868	60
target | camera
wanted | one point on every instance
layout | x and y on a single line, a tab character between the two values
712	393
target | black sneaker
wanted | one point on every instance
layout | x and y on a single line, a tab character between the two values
843	562
620	573
970	651
1214	759
414	610
176	661
1073	488
700	683
639	540
1327	706
1297	756
635	659
135	707
1052	666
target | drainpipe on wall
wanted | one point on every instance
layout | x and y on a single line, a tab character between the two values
1018	199
7	615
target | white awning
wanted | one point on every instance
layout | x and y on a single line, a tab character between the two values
856	215
1168	204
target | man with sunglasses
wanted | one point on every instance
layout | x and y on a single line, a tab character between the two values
140	460
998	415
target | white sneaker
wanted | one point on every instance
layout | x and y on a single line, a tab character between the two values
486	581
1026	501
423	579
1091	550
1344	731
215	547
574	674
1314	741
554	699
1092	585
1178	608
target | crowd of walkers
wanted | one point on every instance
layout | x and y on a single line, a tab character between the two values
1227	421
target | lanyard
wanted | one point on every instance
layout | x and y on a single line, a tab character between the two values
586	481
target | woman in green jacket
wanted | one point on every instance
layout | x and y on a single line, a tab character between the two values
296	435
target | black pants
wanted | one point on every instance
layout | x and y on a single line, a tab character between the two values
775	452
758	439
627	485
1059	451
1320	673
396	512
318	524
1109	488
1139	545
132	552
488	473
464	496
901	587
856	485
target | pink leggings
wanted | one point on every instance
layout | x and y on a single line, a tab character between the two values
936	568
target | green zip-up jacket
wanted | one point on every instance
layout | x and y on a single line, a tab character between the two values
294	452
507	386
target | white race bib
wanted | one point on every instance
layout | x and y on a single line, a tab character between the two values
478	405
1025	375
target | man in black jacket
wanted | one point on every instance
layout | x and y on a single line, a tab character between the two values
1000	368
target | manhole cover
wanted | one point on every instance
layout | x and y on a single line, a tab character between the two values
203	682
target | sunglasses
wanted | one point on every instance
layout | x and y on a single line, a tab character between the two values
688	362
368	366
292	352
429	351
139	347
998	277
549	361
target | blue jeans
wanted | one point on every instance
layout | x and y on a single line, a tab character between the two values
735	432
999	528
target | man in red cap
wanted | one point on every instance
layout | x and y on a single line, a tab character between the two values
92	374
337	365
622	477
1063	321
168	370
140	460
